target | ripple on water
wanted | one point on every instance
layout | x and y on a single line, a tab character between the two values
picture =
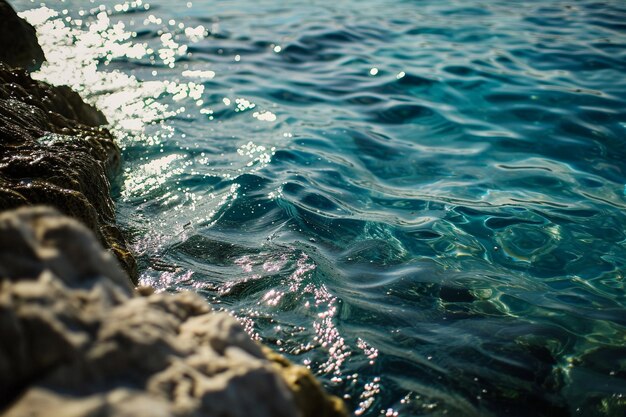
424	205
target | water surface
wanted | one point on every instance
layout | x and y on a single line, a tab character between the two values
422	201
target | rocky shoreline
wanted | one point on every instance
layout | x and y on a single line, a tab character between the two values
76	337
54	152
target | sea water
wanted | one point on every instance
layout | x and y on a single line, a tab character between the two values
421	201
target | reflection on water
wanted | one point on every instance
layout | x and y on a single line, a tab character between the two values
423	202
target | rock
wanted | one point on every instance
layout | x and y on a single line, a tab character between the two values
52	148
77	340
18	41
53	152
308	393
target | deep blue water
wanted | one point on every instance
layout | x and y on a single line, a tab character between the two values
422	201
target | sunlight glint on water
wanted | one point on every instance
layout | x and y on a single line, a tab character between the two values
421	201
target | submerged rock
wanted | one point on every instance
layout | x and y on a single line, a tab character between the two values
18	41
76	340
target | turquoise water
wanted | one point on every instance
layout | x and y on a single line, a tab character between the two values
422	201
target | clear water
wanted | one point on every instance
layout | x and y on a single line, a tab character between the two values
422	201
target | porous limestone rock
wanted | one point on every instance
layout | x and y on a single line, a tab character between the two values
77	340
18	41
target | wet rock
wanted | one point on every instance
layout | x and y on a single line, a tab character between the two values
77	340
18	41
53	149
54	152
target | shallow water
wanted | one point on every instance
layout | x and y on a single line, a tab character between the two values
422	201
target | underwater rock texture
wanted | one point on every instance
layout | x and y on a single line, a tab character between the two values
77	340
18	41
53	152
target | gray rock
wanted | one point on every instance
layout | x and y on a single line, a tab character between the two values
77	340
